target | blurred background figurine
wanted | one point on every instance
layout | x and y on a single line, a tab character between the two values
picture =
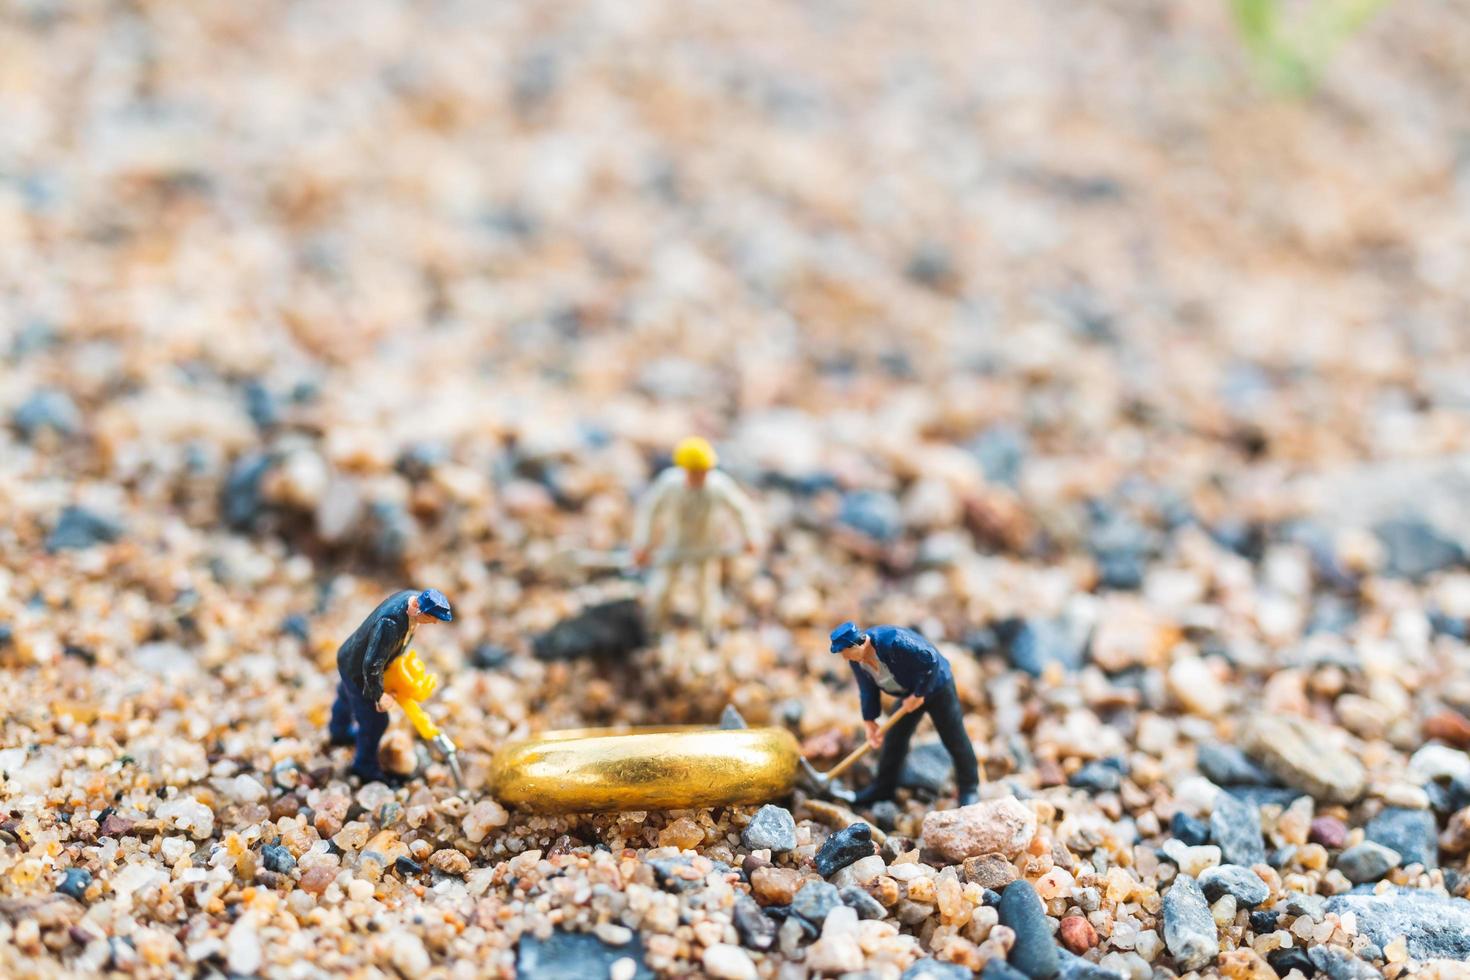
359	715
685	514
901	663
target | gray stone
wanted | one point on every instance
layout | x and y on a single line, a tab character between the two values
47	410
1232	879
1032	644
1410	832
1415	548
927	767
1236	827
1226	765
1369	861
814	901
1075	967
930	969
75	883
998	969
1313	907
78	528
1099	776
731	719
1434	926
772	827
277	858
575	956
1035	951
866	906
873	513
756	929
1338	964
1189	929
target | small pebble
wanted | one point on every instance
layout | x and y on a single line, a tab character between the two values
772	828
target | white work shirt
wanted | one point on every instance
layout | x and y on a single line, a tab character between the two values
884	678
674	515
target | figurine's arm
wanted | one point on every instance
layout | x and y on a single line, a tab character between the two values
925	655
649	507
867	693
381	647
745	512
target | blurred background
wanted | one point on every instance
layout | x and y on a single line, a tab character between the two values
988	301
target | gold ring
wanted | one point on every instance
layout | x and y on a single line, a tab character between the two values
590	769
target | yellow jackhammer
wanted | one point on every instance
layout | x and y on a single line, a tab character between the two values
408	681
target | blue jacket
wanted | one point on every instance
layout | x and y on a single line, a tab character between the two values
363	656
916	666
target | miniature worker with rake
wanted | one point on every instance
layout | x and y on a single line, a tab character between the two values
685	514
901	663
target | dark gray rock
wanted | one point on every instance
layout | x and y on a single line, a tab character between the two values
48	410
408	866
1435	926
885	814
814	901
1189	929
851	843
772	827
1121	547
75	882
1236	826
1338	964
1416	548
1288	958
1191	830
929	969
1264	921
1247	887
1226	765
1099	776
1368	861
610	630
866	906
1035	952
575	956
676	874
1313	907
277	858
1032	644
756	929
241	503
261	404
928	767
873	513
488	656
1412	833
79	528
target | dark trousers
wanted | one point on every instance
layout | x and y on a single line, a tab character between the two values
355	717
943	707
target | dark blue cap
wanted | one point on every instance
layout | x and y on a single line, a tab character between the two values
433	603
846	635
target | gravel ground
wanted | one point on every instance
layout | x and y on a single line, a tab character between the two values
1038	327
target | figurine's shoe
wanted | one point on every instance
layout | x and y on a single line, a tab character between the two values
969	797
869	795
378	776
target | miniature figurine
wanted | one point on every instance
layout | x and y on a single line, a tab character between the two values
359	715
902	663
686	512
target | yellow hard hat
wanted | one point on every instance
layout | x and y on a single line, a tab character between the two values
695	453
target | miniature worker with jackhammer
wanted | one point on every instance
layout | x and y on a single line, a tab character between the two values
685	514
901	663
359	715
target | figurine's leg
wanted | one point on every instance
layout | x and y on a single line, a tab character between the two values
890	762
949	720
710	599
660	591
340	727
371	724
